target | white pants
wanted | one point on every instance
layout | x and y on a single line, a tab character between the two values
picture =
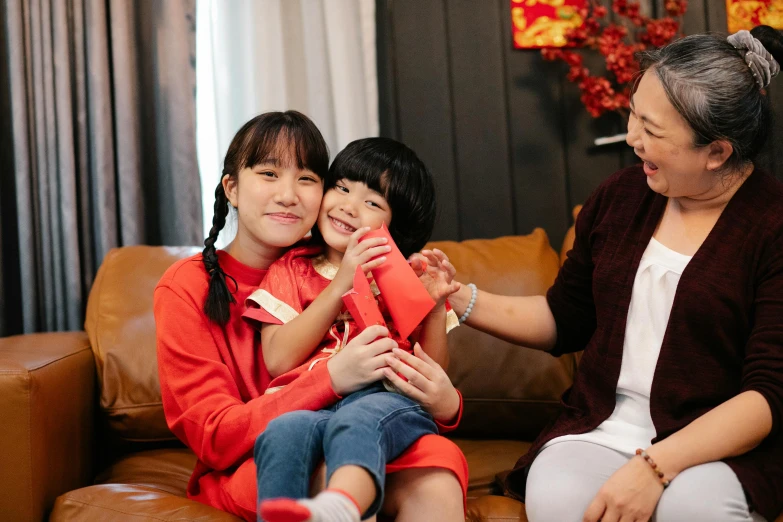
566	476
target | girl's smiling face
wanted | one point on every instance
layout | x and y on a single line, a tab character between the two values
277	202
348	206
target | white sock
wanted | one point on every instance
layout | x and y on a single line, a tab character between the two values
331	506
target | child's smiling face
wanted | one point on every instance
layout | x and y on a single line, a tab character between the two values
348	206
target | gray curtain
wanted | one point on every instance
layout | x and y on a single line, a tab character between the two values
97	99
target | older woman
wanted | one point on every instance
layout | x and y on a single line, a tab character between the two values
674	290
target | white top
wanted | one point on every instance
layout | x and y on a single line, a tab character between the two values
630	425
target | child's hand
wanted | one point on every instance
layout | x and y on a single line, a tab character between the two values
360	253
436	273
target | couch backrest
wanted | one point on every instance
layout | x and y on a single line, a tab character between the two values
121	329
509	391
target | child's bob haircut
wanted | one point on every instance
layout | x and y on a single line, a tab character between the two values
394	171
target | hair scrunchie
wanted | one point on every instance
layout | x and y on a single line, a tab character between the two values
762	64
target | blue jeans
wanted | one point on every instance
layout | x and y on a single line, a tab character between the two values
368	428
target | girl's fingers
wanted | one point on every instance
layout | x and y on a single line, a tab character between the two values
369	244
353	241
378	374
418	352
372	252
406	388
370	334
375	263
381	345
416	377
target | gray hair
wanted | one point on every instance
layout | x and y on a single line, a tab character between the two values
709	83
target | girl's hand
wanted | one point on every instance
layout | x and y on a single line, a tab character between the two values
436	273
427	383
631	494
368	254
362	361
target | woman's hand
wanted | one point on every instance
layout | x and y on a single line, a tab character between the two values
630	495
427	383
367	254
436	273
362	361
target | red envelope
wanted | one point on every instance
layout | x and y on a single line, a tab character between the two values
404	295
361	303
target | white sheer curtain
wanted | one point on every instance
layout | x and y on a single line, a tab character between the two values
253	56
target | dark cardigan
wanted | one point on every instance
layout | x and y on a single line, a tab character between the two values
725	331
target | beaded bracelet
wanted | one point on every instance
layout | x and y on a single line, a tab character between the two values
474	293
654	466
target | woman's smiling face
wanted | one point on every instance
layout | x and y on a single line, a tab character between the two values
664	141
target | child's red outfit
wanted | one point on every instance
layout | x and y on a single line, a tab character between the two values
367	428
213	381
291	285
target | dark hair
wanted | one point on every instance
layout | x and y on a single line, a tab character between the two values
395	171
707	80
271	133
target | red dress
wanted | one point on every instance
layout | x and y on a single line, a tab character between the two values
291	285
213	381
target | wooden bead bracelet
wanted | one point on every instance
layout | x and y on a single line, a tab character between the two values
654	466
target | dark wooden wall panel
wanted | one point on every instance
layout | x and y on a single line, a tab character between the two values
480	119
509	142
586	164
715	12
535	122
424	114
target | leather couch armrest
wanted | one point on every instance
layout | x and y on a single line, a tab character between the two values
47	401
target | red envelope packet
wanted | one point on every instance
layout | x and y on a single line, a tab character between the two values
405	297
361	303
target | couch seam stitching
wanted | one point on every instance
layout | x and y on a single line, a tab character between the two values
28	387
120	511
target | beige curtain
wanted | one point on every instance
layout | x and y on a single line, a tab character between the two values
98	139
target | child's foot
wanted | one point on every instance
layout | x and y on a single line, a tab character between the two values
327	506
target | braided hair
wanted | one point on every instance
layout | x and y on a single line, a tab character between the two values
291	132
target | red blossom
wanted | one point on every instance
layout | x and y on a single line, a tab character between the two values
676	7
601	94
661	32
600	11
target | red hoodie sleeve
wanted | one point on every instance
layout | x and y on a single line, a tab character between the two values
201	401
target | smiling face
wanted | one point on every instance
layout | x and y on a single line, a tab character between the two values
664	141
346	207
277	202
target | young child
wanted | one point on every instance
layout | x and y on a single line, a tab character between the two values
372	182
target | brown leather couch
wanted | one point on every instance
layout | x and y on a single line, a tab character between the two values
83	436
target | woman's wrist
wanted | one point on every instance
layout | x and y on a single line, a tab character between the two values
460	299
669	464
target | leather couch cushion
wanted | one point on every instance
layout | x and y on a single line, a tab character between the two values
165	469
131	503
510	392
492	508
487	458
121	329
